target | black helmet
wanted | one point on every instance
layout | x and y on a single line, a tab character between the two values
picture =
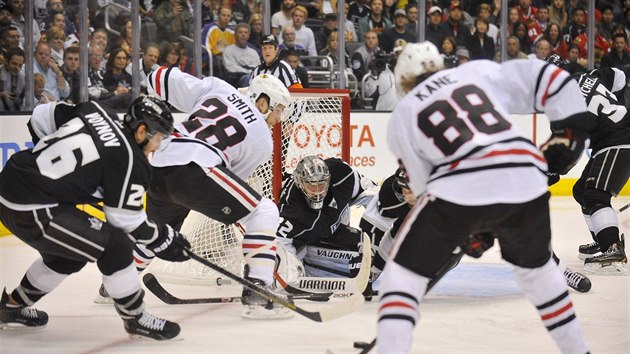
151	112
556	60
400	182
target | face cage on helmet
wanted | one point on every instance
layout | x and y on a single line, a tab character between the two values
316	194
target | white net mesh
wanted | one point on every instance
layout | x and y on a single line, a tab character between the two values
312	125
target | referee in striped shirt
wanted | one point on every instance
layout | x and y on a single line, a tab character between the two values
273	65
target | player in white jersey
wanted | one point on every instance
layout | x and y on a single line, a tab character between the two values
475	173
208	159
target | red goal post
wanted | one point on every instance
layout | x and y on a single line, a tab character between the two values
316	122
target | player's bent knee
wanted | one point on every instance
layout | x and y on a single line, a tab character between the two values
596	199
263	220
117	254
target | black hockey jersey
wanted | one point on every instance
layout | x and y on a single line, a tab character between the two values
308	226
82	155
386	212
609	122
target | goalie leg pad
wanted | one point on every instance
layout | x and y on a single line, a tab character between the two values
288	266
328	262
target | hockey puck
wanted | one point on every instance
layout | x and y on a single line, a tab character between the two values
361	345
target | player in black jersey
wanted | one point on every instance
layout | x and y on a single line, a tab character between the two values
608	168
315	213
84	154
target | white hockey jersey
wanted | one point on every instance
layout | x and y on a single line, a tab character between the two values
224	127
454	136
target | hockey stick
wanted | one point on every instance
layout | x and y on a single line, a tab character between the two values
151	282
623	208
305	285
328	313
452	263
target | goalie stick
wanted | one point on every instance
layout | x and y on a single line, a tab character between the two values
152	283
330	312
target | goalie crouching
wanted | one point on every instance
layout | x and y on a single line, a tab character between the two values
314	226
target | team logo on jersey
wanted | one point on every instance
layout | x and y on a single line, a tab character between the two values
96	224
226	210
333	203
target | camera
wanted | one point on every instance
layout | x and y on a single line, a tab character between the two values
380	61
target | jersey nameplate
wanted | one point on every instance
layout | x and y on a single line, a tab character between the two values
103	129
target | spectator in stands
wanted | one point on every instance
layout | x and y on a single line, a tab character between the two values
322	35
576	26
576	63
412	17
399	31
463	56
380	85
495	12
365	54
542	49
282	18
173	19
513	50
619	28
351	33
5	17
56	85
56	19
454	26
513	18
70	69
186	63
375	21
293	59
216	37
331	50
148	63
558	44
434	32
273	65
558	13
57	7
358	10
388	9
96	87
73	37
116	79
607	23
484	13
55	37
12	81
480	45
255	31
542	18
448	50
39	90
526	12
100	38
619	55
9	39
520	31
312	7
124	40
240	59
19	22
288	42
244	9
303	35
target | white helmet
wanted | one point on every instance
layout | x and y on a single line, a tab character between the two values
415	60
270	86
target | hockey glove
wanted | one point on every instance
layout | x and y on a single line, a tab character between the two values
562	151
477	244
170	245
552	178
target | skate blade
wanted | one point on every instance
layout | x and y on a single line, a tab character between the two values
18	327
101	300
141	338
613	268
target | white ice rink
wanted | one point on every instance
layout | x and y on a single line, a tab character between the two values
476	309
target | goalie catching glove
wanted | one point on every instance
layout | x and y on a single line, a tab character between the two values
170	245
563	150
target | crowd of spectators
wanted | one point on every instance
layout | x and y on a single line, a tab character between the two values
232	38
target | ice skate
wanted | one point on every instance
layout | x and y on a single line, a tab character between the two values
612	261
103	297
577	281
20	316
588	250
258	307
147	325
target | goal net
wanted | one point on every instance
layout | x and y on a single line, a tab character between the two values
317	122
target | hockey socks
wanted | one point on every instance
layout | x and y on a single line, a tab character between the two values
545	288
260	256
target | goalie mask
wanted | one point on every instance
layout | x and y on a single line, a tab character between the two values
313	178
272	89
